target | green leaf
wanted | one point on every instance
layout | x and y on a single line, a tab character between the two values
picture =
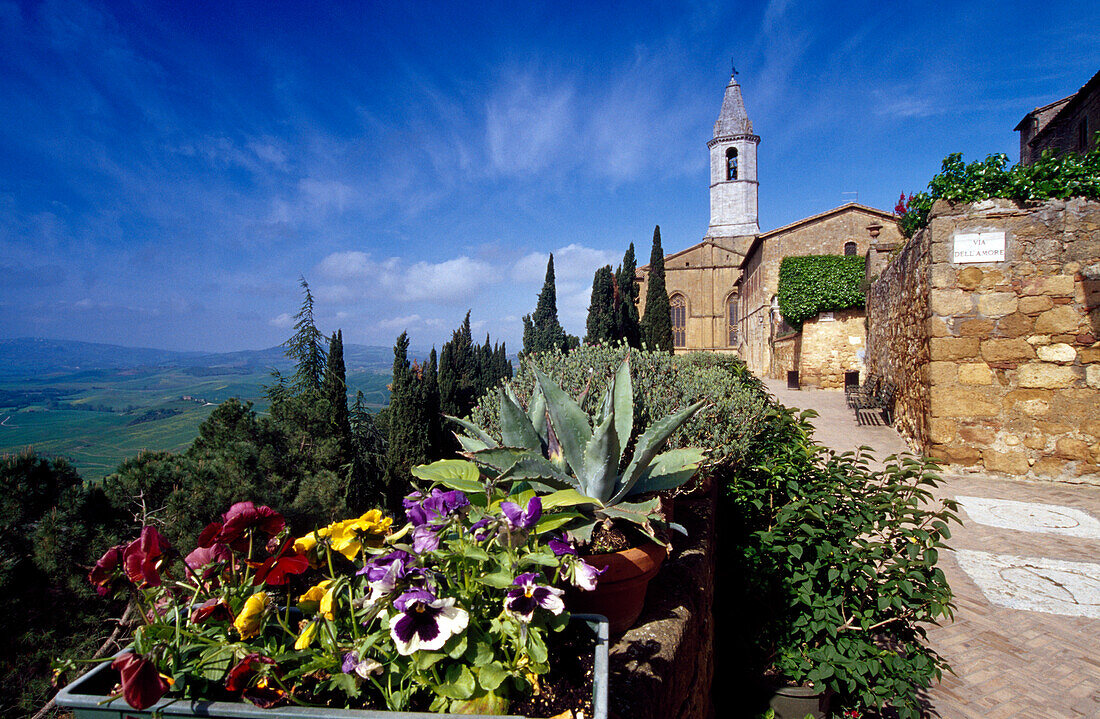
601	461
459	683
345	683
795	550
424	660
536	647
536	412
477	432
501	458
533	467
491	676
669	470
469	444
485	704
568	419
457	474
622	389
557	520
515	427
649	444
499	579
566	498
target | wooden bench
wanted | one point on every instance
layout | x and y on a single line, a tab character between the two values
854	393
881	399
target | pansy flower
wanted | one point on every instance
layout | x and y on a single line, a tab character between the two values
425	539
349	536
425	621
517	518
142	557
275	570
215	609
208	559
256	689
310	602
560	547
384	572
361	667
581	574
306	637
529	595
142	684
108	570
249	622
245	516
438	505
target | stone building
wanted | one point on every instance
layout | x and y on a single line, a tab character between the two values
714	309
1067	124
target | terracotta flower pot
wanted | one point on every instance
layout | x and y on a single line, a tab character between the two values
620	591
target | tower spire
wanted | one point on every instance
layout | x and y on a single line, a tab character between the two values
733	184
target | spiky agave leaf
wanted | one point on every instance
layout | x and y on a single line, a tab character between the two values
515	426
623	396
601	459
569	421
649	444
669	470
536	412
476	432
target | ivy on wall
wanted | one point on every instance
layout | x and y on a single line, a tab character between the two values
818	283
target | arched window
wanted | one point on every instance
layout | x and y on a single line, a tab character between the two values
849	249
731	317
678	312
731	163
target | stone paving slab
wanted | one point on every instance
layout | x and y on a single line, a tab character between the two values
1007	662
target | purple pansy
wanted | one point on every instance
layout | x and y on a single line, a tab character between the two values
384	572
522	518
425	539
425	621
528	595
561	547
439	504
477	527
581	574
363	668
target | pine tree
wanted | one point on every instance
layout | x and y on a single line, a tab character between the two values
334	388
458	372
542	332
305	346
627	327
432	416
657	321
601	311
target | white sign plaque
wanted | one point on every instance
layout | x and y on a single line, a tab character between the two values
978	247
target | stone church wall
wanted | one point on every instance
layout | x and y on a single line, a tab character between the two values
785	356
1013	362
897	335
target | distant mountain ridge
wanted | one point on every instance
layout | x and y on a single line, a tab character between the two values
28	356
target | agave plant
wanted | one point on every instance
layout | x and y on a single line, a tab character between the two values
555	447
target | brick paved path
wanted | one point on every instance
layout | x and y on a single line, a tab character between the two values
1008	662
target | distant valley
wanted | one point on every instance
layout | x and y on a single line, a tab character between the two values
97	404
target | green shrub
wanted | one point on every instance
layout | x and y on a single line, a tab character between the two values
818	283
1055	175
736	400
845	561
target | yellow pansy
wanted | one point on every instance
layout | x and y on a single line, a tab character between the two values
249	621
306	637
311	600
306	543
326	605
349	536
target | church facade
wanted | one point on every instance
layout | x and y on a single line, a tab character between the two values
722	290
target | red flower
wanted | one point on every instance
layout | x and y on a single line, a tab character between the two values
142	556
142	684
206	556
107	571
215	609
258	692
274	571
244	516
209	534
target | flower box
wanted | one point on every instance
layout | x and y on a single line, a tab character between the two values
87	696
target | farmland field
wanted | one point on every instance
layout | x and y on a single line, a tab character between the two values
98	417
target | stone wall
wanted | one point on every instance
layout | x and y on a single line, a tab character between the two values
785	353
832	344
897	334
1013	370
664	666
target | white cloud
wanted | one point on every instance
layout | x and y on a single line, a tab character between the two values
399	322
326	194
527	125
283	321
572	263
359	276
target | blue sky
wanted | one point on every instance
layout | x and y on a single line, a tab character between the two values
169	169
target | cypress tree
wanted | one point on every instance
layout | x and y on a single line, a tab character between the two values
334	388
626	312
542	332
431	408
657	321
458	372
409	440
305	346
601	310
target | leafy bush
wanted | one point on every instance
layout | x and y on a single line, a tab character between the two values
736	400
817	283
845	558
1055	175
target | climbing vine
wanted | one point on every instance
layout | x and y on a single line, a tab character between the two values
819	283
1055	175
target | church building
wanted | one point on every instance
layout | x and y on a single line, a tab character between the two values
722	291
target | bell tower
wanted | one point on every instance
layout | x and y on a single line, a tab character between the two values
733	185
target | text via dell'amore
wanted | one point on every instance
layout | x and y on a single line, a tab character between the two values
978	247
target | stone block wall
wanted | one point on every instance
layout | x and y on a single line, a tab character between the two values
897	334
1013	363
785	353
832	344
